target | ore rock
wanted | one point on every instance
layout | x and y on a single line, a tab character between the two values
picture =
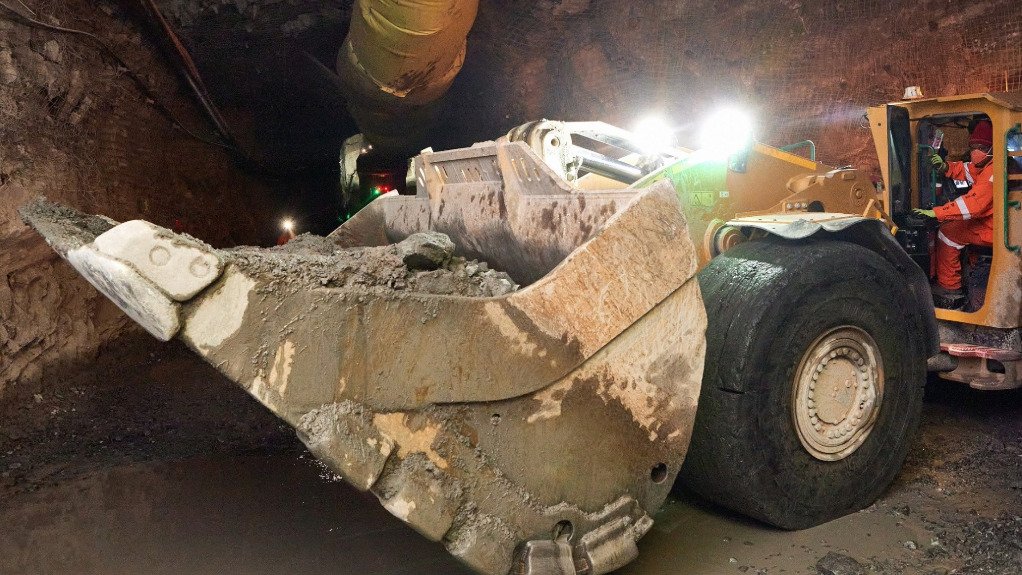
426	250
837	564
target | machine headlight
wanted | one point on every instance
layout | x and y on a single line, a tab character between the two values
654	135
727	132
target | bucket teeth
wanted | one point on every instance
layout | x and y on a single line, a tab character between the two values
138	297
145	269
180	266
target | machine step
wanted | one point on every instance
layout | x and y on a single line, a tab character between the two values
970	350
974	366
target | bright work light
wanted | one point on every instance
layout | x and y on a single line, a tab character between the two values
726	131
654	134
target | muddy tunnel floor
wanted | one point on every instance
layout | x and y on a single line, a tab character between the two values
149	461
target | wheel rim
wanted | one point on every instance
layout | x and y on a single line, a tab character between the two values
838	390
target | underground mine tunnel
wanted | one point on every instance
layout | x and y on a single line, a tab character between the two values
537	347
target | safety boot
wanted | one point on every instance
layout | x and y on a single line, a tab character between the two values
945	298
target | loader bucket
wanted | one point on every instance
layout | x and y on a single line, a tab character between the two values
536	432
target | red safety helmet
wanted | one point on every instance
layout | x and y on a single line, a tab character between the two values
982	134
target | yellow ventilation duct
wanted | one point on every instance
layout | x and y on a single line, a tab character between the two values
398	58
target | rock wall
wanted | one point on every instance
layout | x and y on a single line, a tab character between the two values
75	128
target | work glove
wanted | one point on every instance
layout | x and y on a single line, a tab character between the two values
938	163
925	213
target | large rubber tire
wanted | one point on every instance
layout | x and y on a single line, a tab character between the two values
768	302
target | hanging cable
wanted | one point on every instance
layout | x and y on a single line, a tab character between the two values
191	74
28	18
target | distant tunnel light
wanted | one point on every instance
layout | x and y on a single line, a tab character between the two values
727	131
654	134
287	224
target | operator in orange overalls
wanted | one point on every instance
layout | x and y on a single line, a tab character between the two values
969	219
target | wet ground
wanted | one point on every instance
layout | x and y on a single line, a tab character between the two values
150	462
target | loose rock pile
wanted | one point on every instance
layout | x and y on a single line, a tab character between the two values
422	263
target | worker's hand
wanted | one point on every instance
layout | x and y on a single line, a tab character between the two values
938	163
925	213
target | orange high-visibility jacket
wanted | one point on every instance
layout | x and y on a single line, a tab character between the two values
978	204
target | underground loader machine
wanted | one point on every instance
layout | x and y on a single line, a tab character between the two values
755	324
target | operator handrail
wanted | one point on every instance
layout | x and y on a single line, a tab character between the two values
1010	204
803	144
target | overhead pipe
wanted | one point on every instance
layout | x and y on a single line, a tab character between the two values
399	58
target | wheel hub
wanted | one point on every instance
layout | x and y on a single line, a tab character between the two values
837	393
